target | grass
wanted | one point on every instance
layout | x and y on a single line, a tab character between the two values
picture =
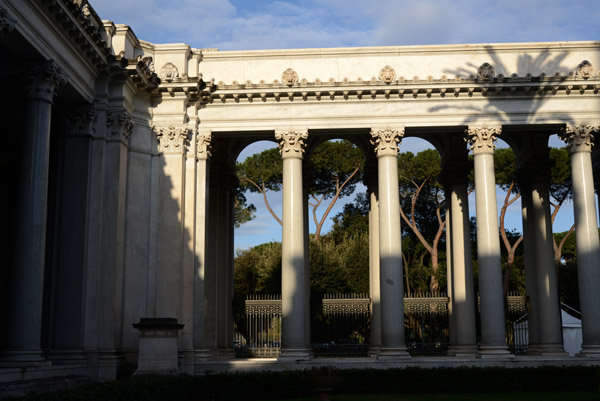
524	396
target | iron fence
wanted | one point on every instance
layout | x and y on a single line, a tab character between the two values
340	325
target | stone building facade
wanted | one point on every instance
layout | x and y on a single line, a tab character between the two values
119	168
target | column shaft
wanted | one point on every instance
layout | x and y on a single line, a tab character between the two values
293	294
25	305
493	337
586	234
390	245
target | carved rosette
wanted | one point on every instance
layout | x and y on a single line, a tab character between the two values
7	24
82	121
387	74
386	141
43	80
579	137
169	72
203	145
482	138
585	69
486	72
291	143
289	77
120	126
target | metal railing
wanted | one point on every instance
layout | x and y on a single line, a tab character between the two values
340	325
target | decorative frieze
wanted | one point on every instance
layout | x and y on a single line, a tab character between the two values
387	74
579	137
169	72
173	139
585	69
289	77
291	143
43	80
203	145
386	141
119	126
486	72
482	138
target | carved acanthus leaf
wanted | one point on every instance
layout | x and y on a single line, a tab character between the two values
387	74
203	145
579	137
169	72
486	72
291	143
43	80
82	121
289	77
386	141
120	125
173	139
482	138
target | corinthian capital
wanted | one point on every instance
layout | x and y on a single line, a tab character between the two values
579	137
203	145
173	139
482	138
119	126
43	79
7	24
386	141
291	143
82	121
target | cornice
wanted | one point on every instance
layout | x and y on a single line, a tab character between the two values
402	50
401	88
82	25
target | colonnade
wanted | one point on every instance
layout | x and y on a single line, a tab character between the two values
385	247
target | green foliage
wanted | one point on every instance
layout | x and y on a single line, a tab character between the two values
560	174
261	170
254	386
353	220
504	168
332	163
242	212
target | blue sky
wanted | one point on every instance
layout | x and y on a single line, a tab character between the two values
266	24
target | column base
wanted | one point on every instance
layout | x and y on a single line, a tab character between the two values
225	353
201	355
23	358
463	351
546	350
374	351
393	353
589	351
494	351
294	355
65	357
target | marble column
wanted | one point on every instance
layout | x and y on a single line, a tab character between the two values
493	337
293	294
201	211
390	245
25	305
544	302
579	140
460	277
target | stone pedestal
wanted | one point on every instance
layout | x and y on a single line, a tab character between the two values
157	353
